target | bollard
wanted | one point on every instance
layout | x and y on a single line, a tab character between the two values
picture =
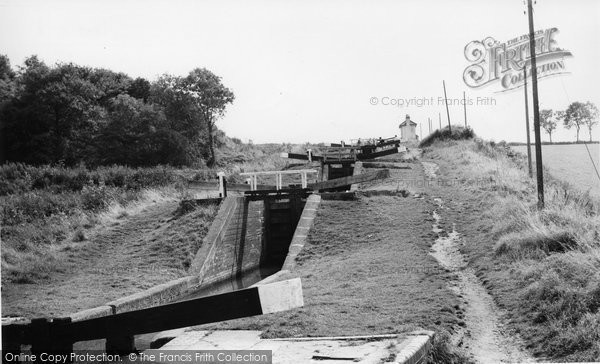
40	337
222	184
120	345
61	343
11	343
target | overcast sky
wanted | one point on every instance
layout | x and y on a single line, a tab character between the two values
309	70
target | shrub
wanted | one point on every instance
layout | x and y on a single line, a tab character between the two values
534	243
36	205
457	133
563	294
95	198
14	178
20	178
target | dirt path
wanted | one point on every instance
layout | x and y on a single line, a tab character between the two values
484	337
117	260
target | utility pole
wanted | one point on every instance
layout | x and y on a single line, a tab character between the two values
420	132
447	111
440	115
536	111
527	123
465	106
429	122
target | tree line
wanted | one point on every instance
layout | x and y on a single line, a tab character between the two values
578	115
70	114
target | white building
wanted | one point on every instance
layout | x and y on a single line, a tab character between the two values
408	131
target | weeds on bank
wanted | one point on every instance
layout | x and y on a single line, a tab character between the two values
45	208
49	206
553	254
456	133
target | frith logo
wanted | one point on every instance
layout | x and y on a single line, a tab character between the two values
503	63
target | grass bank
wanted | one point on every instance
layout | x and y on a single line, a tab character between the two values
542	266
46	207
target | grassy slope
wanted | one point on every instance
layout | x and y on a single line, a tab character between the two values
134	252
543	267
45	208
366	269
57	224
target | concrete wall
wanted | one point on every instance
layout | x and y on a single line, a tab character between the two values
234	241
302	229
234	244
358	169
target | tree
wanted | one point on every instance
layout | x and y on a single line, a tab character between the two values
7	80
8	87
123	139
7	93
24	129
140	89
192	106
179	107
75	114
211	98
575	116
548	121
109	84
68	100
591	117
54	114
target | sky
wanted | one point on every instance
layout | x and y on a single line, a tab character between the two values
319	71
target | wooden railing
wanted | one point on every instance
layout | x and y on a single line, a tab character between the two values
58	335
278	177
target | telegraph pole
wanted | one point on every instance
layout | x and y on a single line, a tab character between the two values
536	111
440	115
447	111
465	106
527	123
429	122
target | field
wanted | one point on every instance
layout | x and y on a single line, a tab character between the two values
571	163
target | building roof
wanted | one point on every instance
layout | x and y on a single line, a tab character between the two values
407	121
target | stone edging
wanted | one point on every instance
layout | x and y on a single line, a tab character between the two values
416	348
163	293
301	233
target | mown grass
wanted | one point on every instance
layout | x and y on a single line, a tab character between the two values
366	269
548	261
